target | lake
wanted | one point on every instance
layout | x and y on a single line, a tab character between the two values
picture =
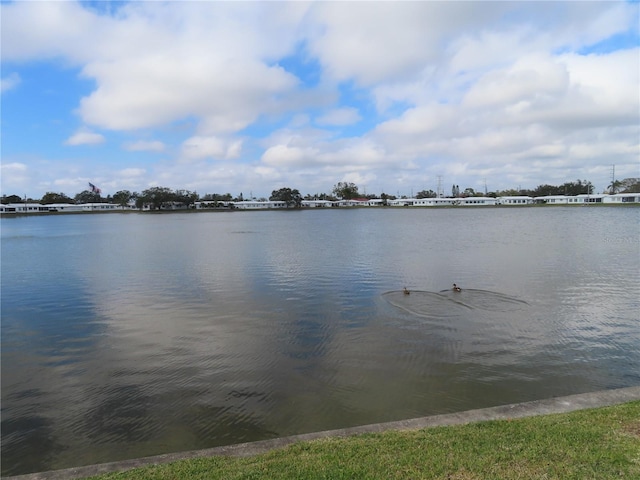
128	335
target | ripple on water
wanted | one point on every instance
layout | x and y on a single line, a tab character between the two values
429	305
447	303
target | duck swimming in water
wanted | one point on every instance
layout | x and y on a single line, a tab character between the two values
456	288
406	292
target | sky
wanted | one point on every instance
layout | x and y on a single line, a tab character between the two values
250	97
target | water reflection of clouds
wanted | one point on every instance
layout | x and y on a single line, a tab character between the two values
160	360
49	336
158	338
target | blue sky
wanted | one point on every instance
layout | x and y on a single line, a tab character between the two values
230	97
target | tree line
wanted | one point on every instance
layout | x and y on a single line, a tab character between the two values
155	197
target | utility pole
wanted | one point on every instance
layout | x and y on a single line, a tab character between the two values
439	192
613	179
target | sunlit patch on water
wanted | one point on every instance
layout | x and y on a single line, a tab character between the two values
448	303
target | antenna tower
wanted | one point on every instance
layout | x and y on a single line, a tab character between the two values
613	179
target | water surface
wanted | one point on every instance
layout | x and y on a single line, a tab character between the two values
126	335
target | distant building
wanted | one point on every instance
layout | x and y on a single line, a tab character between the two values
515	200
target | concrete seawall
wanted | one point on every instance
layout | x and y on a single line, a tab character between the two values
517	410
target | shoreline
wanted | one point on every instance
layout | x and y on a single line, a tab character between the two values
357	207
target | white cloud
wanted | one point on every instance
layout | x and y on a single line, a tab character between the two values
55	28
532	79
344	156
200	147
70	183
14	167
145	146
340	117
85	137
15	177
374	42
154	63
155	90
132	172
285	155
134	179
10	81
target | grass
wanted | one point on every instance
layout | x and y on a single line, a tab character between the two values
594	444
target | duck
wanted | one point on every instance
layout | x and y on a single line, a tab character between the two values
406	292
456	288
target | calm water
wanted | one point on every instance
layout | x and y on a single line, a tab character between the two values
126	335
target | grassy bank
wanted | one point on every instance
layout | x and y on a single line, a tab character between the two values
590	444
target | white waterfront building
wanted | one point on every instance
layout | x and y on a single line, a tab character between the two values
258	205
422	202
442	202
23	208
515	200
317	203
619	198
572	199
478	201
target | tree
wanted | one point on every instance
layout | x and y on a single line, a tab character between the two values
385	198
577	188
512	192
123	197
157	196
87	196
614	186
545	190
320	196
630	185
345	190
468	192
217	197
290	197
186	197
11	199
53	197
426	194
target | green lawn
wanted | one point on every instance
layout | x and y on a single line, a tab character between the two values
590	444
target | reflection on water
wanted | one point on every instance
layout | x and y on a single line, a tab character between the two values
132	335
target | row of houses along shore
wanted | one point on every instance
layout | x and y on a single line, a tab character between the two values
584	199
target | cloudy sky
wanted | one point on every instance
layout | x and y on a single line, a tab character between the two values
395	97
